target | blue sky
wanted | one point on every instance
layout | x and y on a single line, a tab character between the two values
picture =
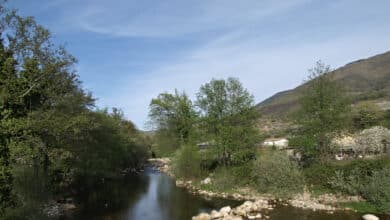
131	50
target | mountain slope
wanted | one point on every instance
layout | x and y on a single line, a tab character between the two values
366	79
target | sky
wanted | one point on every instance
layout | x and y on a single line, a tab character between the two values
129	51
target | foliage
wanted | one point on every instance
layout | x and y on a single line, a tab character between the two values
7	68
386	119
366	115
350	183
46	119
324	106
173	116
229	118
361	207
223	179
317	175
186	163
377	191
275	173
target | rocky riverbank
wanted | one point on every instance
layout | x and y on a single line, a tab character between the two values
254	202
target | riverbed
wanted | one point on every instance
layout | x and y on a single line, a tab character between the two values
152	195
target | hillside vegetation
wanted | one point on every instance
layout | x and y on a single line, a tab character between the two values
366	79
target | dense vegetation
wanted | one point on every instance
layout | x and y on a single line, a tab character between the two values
223	122
50	135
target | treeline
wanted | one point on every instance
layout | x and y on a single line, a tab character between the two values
50	133
217	136
223	117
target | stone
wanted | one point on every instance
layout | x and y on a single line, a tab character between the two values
370	217
252	216
225	210
206	181
216	215
202	216
233	218
240	211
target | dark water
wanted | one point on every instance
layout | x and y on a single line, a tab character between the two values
149	196
154	196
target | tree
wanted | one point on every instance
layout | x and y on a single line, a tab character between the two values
7	74
229	115
366	115
173	112
47	125
323	112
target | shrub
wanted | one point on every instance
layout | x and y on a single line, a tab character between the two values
275	173
224	179
351	183
351	177
318	174
186	163
366	115
377	191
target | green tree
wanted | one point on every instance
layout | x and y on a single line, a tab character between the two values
229	115
366	115
7	74
47	125
323	112
173	116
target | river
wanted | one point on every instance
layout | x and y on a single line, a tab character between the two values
154	196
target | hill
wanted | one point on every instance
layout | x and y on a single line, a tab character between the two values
365	79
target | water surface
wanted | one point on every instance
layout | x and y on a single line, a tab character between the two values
154	196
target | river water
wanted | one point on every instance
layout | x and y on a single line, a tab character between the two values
154	196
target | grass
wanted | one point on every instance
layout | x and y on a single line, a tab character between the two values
362	207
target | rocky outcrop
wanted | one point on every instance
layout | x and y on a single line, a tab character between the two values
371	141
162	164
248	210
375	140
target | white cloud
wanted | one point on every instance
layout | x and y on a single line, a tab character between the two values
172	17
266	61
264	70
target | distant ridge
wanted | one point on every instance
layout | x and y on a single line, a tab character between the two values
364	79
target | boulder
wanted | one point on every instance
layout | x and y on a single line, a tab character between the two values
202	216
233	218
254	216
206	181
240	211
216	215
225	210
370	217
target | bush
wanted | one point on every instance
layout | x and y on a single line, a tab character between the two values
351	183
349	177
186	163
366	115
377	191
275	173
224	179
318	174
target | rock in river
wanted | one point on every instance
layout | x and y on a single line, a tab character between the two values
370	217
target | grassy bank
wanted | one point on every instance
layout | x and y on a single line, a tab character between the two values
274	173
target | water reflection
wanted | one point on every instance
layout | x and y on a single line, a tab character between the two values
154	196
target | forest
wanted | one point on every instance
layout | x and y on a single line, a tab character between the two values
53	140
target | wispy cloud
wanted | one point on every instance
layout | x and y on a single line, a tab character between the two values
172	17
131	50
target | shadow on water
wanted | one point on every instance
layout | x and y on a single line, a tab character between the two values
154	196
149	196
